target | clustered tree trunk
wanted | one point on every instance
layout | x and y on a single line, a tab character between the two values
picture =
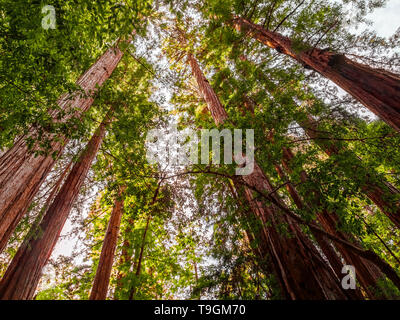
366	272
21	171
23	274
301	271
306	265
382	193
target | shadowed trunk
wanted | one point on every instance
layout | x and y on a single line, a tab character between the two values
377	89
103	272
124	259
367	273
326	247
382	193
254	233
21	172
23	274
299	268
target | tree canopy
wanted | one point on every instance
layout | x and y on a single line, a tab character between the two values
314	81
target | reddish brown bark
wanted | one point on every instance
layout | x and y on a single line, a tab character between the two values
23	274
253	233
299	268
383	194
103	272
367	273
124	258
323	243
377	89
21	173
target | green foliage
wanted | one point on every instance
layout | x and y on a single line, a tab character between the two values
185	227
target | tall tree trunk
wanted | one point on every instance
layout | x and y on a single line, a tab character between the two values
326	247
23	274
377	89
253	232
300	270
367	273
382	193
124	259
103	273
21	172
328	250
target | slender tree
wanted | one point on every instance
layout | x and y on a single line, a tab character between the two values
378	90
103	272
142	246
22	171
24	272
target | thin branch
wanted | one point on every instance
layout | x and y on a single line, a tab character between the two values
292	12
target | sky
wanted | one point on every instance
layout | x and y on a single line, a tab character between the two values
387	20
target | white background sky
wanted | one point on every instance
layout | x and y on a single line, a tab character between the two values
387	20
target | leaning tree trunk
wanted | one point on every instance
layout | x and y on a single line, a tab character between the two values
23	274
382	193
21	172
103	273
324	244
300	269
377	89
253	231
366	272
326	247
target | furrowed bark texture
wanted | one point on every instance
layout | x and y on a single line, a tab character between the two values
300	269
366	272
377	89
23	274
103	272
21	173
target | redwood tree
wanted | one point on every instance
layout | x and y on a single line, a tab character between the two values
22	171
378	90
298	279
23	274
103	272
385	196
